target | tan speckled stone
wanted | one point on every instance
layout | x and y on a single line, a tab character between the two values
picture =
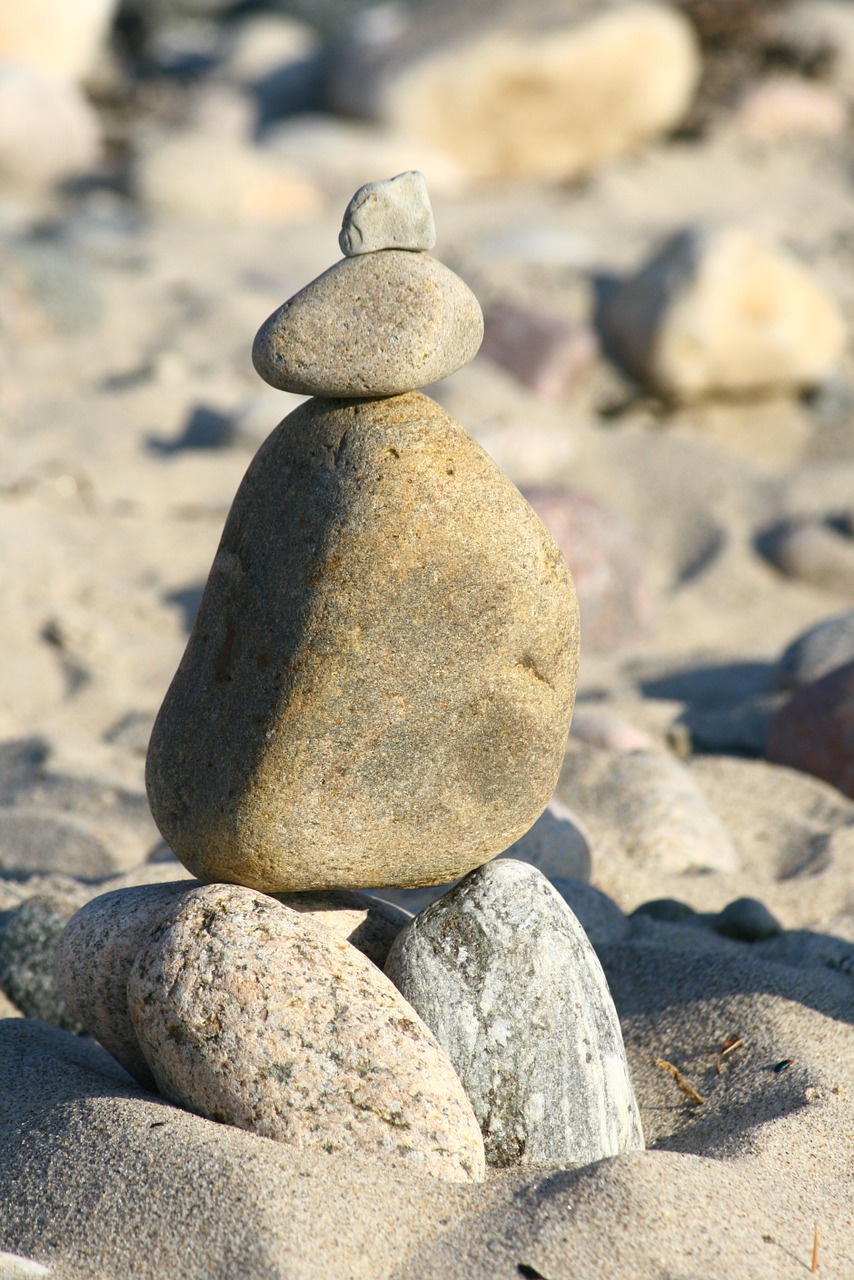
99	945
254	1015
378	687
377	324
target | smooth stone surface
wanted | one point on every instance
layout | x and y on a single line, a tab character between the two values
666	910
379	324
532	94
29	937
383	702
815	552
100	943
254	1015
786	107
545	351
646	805
814	731
392	214
719	310
506	978
57	39
817	651
746	920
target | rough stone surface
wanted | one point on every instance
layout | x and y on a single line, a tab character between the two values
602	552
94	959
29	937
392	214
375	325
814	731
436	673
718	310
505	976
48	131
254	1015
100	943
817	651
646	805
541	99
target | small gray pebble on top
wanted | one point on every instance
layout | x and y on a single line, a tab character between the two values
392	214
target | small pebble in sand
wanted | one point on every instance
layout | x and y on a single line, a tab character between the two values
392	214
816	652
746	920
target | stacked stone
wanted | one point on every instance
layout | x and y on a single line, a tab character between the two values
377	691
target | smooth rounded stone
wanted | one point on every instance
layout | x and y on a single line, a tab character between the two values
375	325
746	920
599	916
53	37
814	552
29	938
646	805
718	310
254	1015
614	595
609	732
817	651
100	943
530	96
202	176
48	131
506	978
384	702
392	214
814	731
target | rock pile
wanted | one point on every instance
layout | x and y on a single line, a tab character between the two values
377	691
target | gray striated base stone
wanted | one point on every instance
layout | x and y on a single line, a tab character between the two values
506	979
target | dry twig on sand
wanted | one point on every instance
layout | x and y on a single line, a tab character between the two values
685	1085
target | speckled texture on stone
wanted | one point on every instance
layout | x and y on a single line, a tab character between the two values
94	959
392	214
256	1016
29	936
647	805
100	942
505	976
378	689
375	325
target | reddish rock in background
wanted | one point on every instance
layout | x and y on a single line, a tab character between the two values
547	352
814	732
601	551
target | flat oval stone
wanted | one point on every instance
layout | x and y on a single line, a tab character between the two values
254	1015
379	683
377	324
504	975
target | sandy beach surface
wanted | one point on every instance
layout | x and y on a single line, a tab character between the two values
130	412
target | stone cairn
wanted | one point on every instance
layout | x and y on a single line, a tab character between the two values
377	692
